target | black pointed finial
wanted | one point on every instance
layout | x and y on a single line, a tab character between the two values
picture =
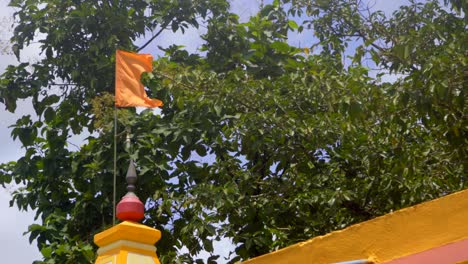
131	177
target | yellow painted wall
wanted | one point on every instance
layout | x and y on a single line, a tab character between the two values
139	259
404	232
127	243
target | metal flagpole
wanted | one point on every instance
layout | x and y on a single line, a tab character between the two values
115	166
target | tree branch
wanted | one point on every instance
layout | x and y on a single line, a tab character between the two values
163	27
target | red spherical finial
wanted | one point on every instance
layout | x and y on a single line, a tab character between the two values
130	208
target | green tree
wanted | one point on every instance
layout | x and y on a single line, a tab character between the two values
258	141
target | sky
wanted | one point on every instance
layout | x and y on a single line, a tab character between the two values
13	223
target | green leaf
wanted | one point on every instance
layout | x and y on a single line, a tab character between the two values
201	150
46	252
16	51
292	24
49	114
280	46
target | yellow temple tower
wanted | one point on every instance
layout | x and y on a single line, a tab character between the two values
128	242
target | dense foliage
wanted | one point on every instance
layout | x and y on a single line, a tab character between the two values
258	141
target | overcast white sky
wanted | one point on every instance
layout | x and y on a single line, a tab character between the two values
15	247
13	223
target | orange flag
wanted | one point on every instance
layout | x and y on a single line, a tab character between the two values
129	91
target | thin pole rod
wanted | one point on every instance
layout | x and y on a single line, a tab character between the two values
115	165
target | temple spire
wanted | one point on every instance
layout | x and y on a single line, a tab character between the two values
130	208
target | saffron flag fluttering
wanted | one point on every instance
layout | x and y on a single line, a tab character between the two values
129	91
